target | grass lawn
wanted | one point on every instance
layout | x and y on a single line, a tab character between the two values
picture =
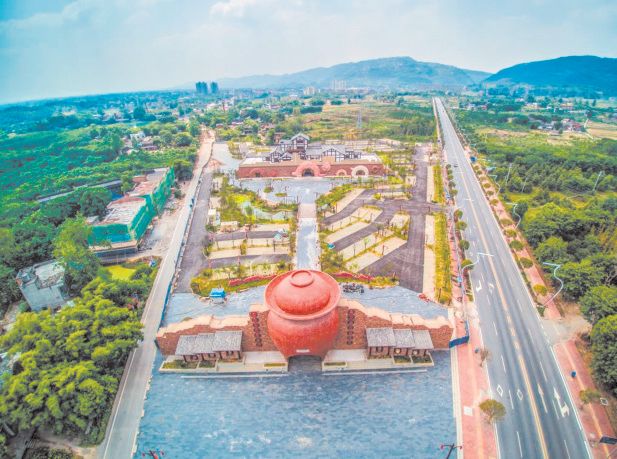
120	272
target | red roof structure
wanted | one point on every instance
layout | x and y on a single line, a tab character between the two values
303	319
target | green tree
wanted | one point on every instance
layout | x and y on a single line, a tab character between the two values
553	250
9	291
588	396
183	140
578	278
493	410
599	301
127	182
94	201
71	249
68	364
604	347
183	169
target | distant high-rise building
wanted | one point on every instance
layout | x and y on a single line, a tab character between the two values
201	87
214	87
309	91
339	85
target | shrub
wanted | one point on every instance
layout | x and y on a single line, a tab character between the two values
505	222
511	232
463	244
461	225
516	245
526	262
540	289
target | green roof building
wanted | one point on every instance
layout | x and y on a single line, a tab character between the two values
128	218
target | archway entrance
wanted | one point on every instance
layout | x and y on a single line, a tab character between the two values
308	173
304	364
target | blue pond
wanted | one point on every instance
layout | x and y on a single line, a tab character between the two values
301	415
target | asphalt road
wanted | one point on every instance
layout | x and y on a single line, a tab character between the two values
541	420
128	406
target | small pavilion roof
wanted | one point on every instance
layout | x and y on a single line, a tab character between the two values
195	344
404	338
379	337
227	341
423	339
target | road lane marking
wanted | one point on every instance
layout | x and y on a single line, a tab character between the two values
542	368
495	327
499	390
534	408
520	448
542	397
565	409
479	287
511	399
567	450
503	364
555	408
519	394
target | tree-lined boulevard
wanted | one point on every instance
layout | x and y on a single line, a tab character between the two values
541	420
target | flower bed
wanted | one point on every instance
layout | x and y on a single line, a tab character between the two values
247	280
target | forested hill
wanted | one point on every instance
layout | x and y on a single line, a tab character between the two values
583	72
392	72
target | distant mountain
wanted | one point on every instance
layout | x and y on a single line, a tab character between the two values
570	72
391	72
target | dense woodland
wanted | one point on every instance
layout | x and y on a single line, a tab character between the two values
566	194
65	367
40	163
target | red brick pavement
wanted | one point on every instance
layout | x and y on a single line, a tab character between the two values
593	416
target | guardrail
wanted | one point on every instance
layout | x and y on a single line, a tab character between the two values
461	340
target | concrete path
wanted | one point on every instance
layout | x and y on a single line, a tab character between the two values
193	258
123	425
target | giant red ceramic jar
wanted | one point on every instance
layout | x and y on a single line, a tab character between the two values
303	319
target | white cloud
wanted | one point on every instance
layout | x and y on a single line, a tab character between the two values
70	13
232	7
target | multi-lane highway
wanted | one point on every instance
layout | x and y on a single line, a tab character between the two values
128	407
541	420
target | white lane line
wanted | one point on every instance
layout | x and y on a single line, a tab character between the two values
567	450
542	368
511	401
520	448
542	397
555	408
503	364
495	326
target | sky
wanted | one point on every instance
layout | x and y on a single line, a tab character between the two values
58	48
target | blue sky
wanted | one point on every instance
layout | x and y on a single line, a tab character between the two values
54	48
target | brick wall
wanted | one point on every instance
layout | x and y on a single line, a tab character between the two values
277	170
354	319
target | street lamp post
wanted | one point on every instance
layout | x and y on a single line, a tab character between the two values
452	447
496	182
480	254
556	267
514	212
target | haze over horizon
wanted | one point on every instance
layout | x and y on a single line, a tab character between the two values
62	48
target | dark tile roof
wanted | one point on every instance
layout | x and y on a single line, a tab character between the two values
423	339
195	344
378	337
227	341
404	338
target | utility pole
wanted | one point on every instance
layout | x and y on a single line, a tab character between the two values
597	181
508	176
